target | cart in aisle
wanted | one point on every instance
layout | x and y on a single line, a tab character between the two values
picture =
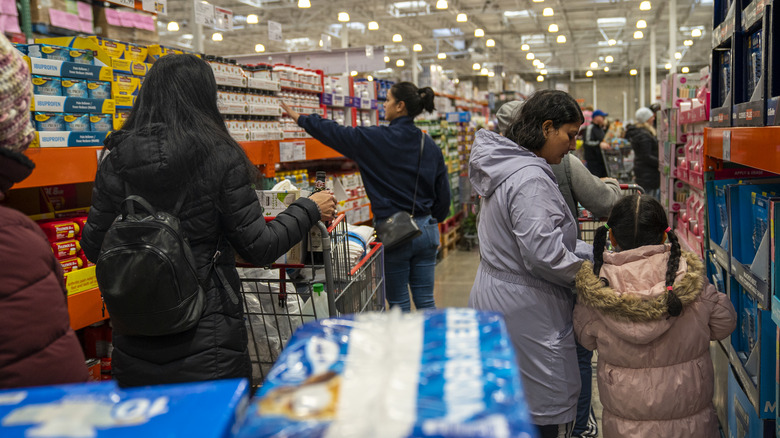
588	223
336	274
619	160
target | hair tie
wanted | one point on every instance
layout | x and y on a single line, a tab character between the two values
668	229
606	227
669	288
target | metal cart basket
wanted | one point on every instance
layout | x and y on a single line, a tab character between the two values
279	299
619	161
589	224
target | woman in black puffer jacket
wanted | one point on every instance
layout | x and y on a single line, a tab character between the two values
174	141
645	145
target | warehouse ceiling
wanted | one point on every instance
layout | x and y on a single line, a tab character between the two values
587	25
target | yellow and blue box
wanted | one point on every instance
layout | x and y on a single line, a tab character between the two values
47	85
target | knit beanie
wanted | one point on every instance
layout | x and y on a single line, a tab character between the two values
16	131
506	114
643	115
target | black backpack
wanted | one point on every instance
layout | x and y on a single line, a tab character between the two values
146	272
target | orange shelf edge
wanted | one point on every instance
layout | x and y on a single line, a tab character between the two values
85	308
753	147
266	153
55	166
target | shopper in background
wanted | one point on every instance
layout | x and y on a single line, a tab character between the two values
641	135
593	142
528	240
651	313
175	140
37	346
388	158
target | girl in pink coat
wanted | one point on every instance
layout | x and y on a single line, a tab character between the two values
649	310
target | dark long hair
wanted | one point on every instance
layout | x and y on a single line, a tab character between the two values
639	220
180	93
526	127
416	99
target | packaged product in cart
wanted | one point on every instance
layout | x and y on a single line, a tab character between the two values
204	410
444	373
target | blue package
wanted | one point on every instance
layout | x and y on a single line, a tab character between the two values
75	88
47	85
450	372
203	409
99	89
101	122
47	51
754	62
21	47
76	122
82	56
49	121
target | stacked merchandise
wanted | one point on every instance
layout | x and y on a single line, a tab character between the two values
62	15
96	342
366	103
382	87
337	98
445	135
124	24
301	89
64	236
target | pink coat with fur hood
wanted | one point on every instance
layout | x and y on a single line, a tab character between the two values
655	374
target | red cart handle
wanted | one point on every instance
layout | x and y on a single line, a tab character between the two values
374	248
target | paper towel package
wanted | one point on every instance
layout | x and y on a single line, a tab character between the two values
206	409
443	373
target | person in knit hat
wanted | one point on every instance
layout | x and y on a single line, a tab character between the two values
38	346
643	141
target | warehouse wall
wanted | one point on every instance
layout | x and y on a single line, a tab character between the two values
609	93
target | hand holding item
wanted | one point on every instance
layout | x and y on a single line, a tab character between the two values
604	145
611	180
326	203
290	112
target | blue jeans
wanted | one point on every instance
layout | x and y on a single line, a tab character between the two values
585	425
413	265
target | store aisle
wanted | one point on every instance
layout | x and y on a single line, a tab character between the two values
454	277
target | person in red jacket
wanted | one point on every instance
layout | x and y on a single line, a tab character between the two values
37	346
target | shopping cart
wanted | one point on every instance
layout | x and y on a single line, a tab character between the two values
278	299
588	223
619	160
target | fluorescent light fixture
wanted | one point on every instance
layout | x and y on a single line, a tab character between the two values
216	36
606	69
490	43
540	78
484	71
259	48
370	78
353	73
543	72
252	19
561	39
479	33
397	38
476	66
688	43
343	17
548	12
461	18
645	6
686	70
552	28
641	24
609	59
173	26
633	72
399	63
529	56
303	4
441	4
538	1
696	33
589	73
638	35
387	59
611	42
442	55
668	66
594	64
677	55
417	48
525	47
373	25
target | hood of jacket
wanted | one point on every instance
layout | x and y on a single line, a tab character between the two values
494	158
146	159
634	303
639	129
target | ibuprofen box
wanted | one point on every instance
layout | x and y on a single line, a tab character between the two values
207	409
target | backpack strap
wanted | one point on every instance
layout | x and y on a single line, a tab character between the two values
145	204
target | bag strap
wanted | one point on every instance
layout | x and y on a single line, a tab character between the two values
419	160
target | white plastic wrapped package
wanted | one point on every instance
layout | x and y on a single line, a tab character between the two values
443	373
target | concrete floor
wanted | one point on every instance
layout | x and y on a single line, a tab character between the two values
454	277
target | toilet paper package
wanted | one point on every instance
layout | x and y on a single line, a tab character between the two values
442	373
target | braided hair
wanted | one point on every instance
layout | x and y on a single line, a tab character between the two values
639	220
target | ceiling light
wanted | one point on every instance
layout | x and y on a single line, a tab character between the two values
540	78
606	69
456	80
529	56
399	63
688	43
641	24
397	38
484	71
476	66
373	25
438	67
609	59
173	26
479	33
668	66
611	42
442	55
303	4
561	39
645	6
417	48
461	18
589	73
677	55
537	61
353	73
633	72
543	72
491	74
553	28
548	12
503	74
370	78
216	36
638	35
259	48
387	59
525	47
490	43
696	33
538	1
686	70
441	4
594	64
321	44
540	65
252	19
343	17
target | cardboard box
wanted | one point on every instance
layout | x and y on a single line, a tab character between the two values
276	201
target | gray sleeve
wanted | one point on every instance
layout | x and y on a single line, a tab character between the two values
595	195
